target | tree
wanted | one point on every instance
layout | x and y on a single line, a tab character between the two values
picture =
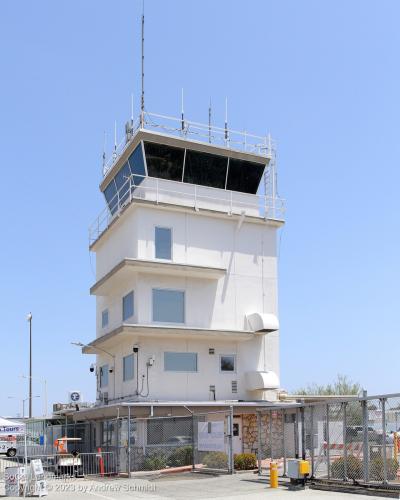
343	386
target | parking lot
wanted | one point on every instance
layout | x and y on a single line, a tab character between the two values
182	486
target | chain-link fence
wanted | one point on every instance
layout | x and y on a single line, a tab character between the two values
344	440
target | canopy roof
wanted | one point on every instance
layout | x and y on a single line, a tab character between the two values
8	427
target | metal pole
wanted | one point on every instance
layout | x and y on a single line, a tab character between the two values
296	435
312	444
284	444
328	452
270	436
231	463
193	443
129	441
303	434
259	452
365	437
383	403
344	406
30	364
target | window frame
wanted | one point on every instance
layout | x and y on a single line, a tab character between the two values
184	306
123	368
103	313
182	371
105	368
133	305
171	245
234	363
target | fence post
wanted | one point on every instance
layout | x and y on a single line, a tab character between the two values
344	406
296	435
328	452
270	436
383	403
312	444
365	437
231	462
193	443
259	452
129	441
283	443
303	434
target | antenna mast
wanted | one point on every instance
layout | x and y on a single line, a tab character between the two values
209	122
226	122
142	96
182	115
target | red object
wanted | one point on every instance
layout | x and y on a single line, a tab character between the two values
101	462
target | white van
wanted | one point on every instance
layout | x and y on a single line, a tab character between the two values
8	445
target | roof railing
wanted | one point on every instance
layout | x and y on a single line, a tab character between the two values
234	140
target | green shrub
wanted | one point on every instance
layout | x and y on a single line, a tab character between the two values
354	468
181	456
376	468
215	460
245	461
155	461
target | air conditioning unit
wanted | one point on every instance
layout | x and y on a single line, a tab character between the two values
57	407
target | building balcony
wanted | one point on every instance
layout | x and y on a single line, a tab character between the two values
126	331
129	267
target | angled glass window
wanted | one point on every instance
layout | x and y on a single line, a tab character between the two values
180	361
205	169
127	306
163	243
136	164
168	306
122	183
244	176
164	162
128	371
227	363
110	194
104	376
104	318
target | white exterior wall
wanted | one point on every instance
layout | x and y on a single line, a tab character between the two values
247	253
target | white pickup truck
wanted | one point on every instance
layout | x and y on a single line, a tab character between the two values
8	445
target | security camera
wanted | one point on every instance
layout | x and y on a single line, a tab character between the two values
92	367
136	348
111	369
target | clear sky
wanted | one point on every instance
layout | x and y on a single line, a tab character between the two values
322	77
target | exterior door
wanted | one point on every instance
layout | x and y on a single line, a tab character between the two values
237	435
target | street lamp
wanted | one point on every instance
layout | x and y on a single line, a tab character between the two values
44	382
23	402
29	318
81	344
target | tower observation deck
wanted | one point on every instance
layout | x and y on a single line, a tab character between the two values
166	160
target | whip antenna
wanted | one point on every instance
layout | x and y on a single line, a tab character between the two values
142	96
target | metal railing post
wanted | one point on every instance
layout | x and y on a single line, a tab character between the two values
303	434
195	197
365	437
259	451
270	436
129	441
312	444
284	444
383	403
344	406
193	444
296	435
157	195
231	462
328	452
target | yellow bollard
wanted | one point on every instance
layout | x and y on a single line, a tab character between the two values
273	475
395	445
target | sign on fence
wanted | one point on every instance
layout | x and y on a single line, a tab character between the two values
37	482
210	436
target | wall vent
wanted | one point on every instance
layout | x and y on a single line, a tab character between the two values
211	350
234	386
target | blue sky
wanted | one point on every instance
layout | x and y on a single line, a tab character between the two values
322	77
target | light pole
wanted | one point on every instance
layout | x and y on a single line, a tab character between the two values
44	382
29	318
23	402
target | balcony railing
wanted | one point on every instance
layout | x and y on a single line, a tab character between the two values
161	191
232	139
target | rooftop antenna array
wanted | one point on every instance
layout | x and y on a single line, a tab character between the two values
142	94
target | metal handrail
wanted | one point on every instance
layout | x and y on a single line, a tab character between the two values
268	207
231	139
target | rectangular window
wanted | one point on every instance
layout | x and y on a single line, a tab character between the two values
104	318
128	367
228	363
127	306
163	243
180	361
104	376
168	306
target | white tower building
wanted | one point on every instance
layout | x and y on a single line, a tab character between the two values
186	267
